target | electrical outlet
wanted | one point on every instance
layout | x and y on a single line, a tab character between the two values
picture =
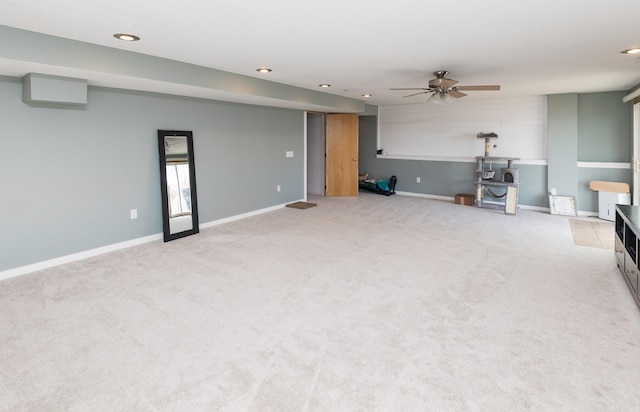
278	188
417	179
133	213
552	191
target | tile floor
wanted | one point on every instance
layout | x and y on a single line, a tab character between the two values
592	233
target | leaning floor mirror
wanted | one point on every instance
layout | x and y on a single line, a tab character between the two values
177	184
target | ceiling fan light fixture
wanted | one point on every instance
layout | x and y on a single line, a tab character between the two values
439	97
635	50
447	98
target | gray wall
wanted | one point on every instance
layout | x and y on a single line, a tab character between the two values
562	144
70	175
605	127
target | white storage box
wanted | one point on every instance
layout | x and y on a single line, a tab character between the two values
607	203
610	194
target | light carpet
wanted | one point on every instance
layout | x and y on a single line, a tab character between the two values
372	303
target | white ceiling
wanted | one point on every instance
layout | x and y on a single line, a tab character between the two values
368	46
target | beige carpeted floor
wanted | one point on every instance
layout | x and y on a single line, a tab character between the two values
361	304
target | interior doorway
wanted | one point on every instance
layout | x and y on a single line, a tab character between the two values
342	154
315	153
332	154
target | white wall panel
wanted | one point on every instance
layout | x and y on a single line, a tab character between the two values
449	130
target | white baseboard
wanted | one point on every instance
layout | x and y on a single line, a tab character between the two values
427	196
585	213
452	199
77	256
535	208
245	215
23	270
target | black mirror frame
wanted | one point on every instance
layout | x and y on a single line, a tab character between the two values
163	185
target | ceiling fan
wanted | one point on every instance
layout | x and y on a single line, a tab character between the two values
444	90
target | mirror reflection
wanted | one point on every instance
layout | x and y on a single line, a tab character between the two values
178	184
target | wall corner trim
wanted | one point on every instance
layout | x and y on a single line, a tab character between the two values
631	96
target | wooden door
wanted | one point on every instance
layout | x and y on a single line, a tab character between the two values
341	155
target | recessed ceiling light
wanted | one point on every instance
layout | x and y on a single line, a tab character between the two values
126	37
324	85
631	51
367	95
263	70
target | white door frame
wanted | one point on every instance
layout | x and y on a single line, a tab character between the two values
635	163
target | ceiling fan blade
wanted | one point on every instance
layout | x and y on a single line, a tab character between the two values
415	94
456	93
411	88
488	87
